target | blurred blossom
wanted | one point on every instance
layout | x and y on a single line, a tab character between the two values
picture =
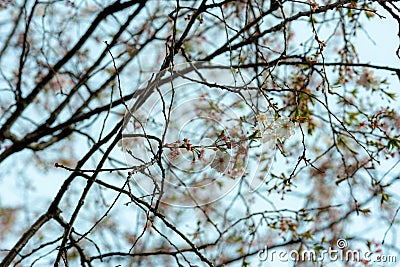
236	172
174	149
221	161
131	142
237	167
367	79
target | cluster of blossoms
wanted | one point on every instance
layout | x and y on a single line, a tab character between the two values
268	129
230	153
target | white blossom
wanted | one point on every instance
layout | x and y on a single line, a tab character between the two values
221	161
267	129
284	127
